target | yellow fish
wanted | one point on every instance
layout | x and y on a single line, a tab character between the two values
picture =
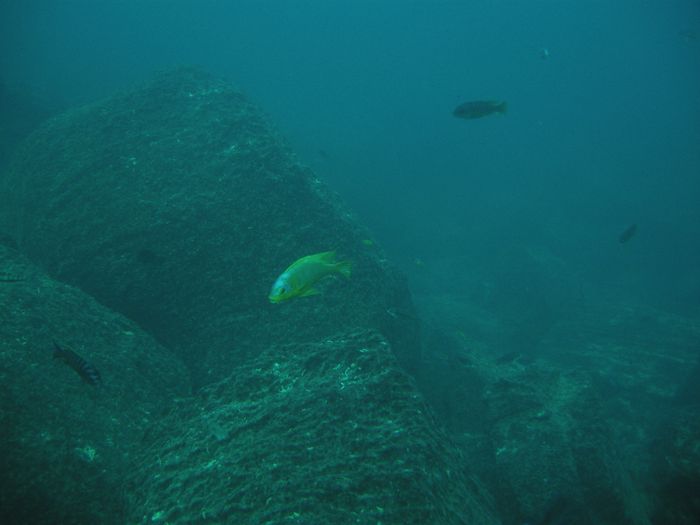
299	279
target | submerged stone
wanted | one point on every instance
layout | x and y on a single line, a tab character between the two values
65	445
177	205
325	432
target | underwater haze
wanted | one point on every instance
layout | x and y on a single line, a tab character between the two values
563	231
601	134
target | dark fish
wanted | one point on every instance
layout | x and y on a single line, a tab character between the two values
85	370
480	108
627	234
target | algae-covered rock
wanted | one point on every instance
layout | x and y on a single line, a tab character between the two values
325	432
676	469
66	445
554	451
546	443
177	205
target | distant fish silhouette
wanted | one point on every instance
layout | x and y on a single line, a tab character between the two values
85	370
627	234
480	108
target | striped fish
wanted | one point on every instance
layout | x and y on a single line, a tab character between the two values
85	370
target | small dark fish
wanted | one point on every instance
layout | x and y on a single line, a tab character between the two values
85	370
627	234
480	108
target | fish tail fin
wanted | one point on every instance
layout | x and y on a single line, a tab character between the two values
503	108
344	268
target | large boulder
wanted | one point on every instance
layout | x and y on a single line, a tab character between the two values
676	469
325	432
543	442
66	445
177	205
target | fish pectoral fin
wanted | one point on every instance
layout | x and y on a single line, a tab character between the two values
310	292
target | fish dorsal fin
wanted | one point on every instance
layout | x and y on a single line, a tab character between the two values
319	258
326	257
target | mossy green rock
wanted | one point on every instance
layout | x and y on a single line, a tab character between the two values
65	446
177	205
326	432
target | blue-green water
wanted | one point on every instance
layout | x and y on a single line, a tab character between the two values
508	226
602	134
